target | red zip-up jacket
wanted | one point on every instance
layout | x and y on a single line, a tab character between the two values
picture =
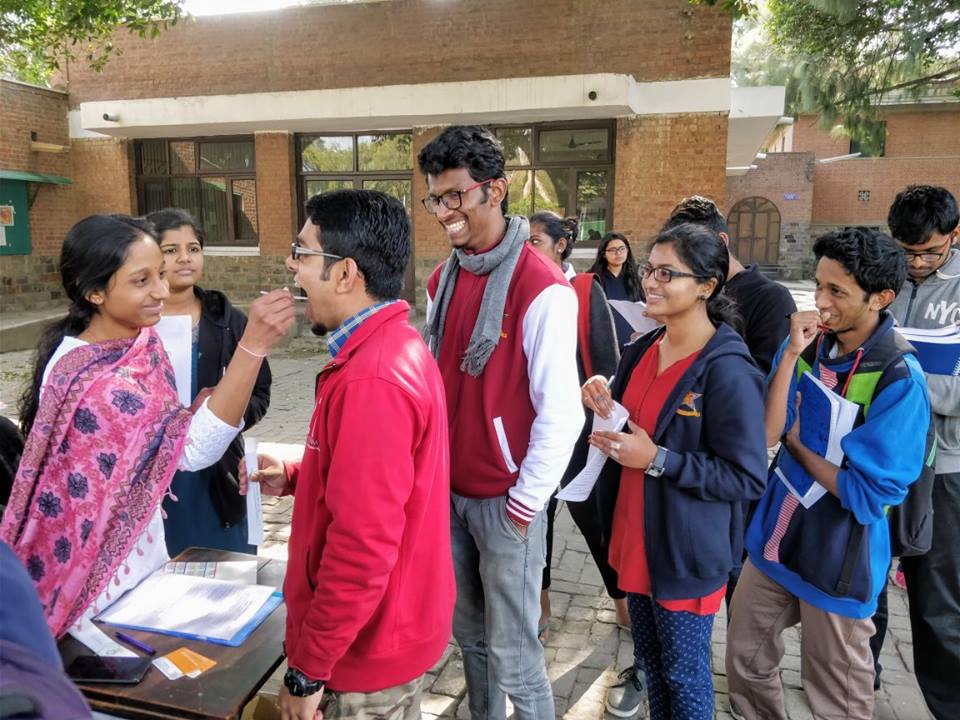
369	586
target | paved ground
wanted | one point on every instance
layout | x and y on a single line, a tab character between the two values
586	649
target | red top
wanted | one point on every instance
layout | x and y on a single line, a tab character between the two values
644	398
371	521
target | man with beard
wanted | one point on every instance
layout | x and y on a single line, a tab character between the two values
369	586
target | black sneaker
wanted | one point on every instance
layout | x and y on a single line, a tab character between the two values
625	698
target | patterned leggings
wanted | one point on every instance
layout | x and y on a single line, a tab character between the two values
673	651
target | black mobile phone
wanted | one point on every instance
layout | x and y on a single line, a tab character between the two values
96	669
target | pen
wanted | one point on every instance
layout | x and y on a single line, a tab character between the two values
295	297
123	637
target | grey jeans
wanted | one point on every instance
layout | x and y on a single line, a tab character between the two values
498	607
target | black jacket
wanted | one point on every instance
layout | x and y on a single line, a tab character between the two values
712	427
221	327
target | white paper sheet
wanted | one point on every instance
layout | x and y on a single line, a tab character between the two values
238	571
579	488
99	642
188	604
255	534
633	313
175	332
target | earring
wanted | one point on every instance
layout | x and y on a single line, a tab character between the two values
702	298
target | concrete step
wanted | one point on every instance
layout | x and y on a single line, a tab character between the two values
22	329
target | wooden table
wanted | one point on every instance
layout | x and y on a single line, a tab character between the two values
218	694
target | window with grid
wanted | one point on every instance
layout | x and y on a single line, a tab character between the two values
566	168
212	178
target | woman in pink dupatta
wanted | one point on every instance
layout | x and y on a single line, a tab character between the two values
106	432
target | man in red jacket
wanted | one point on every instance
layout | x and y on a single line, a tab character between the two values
370	585
501	321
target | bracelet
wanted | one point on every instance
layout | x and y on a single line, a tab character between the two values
250	352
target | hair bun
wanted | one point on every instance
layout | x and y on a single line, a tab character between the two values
572	228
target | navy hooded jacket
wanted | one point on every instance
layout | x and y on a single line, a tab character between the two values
712	429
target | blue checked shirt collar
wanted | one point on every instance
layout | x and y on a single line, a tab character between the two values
338	338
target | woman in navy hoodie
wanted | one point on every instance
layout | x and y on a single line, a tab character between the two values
675	481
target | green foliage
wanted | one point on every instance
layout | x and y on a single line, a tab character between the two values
847	57
38	36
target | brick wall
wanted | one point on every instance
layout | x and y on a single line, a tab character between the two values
927	131
276	192
32	280
104	177
413	41
835	197
775	178
661	159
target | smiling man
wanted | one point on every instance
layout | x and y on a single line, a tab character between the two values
924	221
369	586
823	564
501	321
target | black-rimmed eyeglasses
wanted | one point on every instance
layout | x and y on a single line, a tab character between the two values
451	200
664	274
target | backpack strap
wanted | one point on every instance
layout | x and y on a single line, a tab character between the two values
582	285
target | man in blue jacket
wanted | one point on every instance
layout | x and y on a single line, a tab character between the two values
823	563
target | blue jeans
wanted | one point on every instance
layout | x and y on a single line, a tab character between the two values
673	651
498	606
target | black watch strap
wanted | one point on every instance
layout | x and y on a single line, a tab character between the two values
300	685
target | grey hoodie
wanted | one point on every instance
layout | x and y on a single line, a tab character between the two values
934	303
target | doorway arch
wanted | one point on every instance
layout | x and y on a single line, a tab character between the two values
755	231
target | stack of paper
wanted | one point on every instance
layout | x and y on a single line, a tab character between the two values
195	607
938	348
238	571
825	418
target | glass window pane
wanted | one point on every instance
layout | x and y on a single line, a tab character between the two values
226	156
402	190
213	201
592	210
154	196
574	145
326	154
520	192
183	158
385	152
185	193
153	157
517	145
552	191
245	209
315	187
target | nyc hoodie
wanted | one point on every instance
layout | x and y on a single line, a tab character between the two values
935	303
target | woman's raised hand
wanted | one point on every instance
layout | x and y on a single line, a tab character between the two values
271	315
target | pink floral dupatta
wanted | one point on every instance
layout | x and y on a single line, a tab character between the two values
102	452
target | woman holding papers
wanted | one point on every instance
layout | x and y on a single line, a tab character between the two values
105	430
597	353
694	451
209	511
617	271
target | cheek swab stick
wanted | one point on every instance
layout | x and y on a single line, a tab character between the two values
295	297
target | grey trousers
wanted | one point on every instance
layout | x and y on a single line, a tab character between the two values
498	606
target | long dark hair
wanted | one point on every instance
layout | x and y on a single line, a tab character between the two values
631	274
93	250
702	250
558	229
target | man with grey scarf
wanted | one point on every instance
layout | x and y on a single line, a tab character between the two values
501	321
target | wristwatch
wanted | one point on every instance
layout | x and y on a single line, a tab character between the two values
298	684
656	466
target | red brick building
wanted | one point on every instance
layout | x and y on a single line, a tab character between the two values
812	181
611	111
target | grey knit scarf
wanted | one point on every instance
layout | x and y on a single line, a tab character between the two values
500	264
